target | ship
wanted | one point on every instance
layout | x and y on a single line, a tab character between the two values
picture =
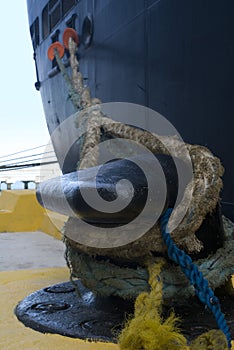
173	57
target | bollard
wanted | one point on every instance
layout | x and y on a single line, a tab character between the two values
26	182
9	185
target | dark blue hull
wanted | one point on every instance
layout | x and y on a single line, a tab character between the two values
175	57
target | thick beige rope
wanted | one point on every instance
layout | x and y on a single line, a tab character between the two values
207	169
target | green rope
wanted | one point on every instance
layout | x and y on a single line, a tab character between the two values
100	273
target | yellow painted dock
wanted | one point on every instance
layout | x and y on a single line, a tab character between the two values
20	212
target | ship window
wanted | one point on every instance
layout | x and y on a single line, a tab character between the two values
71	23
45	21
52	3
54	38
67	5
34	31
55	15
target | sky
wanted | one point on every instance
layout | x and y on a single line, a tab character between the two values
22	119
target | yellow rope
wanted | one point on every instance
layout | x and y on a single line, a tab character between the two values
146	330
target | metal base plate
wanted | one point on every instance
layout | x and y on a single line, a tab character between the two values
58	309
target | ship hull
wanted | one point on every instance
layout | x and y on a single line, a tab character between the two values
174	57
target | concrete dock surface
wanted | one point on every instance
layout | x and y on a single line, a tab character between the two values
30	261
30	250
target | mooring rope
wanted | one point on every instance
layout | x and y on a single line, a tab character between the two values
72	93
140	332
202	289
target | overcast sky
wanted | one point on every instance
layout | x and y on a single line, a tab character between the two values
22	120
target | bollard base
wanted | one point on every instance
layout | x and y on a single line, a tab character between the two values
58	309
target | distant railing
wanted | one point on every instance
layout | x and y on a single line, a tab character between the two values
18	185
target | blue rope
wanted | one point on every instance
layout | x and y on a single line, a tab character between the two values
202	290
